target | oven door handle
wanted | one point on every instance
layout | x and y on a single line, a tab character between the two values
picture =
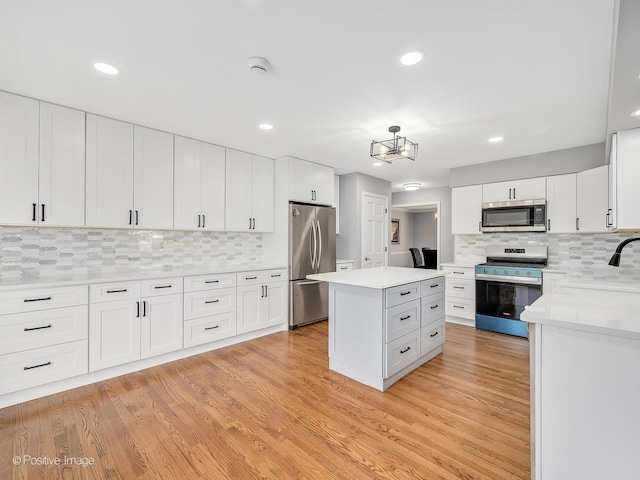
509	279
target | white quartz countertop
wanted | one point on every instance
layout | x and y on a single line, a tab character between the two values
378	277
460	265
57	280
610	310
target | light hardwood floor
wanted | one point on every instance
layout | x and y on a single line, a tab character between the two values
271	409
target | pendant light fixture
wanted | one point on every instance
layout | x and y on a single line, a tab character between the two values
395	149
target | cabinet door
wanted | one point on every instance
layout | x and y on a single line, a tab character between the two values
161	326
497	192
529	188
61	166
466	209
18	159
323	184
626	171
300	180
213	187
238	192
251	308
593	199
263	194
188	184
153	179
109	173
561	203
114	334
276	295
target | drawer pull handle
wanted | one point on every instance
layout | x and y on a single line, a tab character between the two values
162	286
26	300
433	307
405	350
458	306
250	278
117	291
459	273
37	328
211	281
459	288
433	334
38	366
434	285
211	301
405	318
402	294
211	328
275	275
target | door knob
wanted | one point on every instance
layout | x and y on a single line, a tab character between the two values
366	259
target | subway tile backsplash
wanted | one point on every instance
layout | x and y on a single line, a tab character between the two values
27	251
586	255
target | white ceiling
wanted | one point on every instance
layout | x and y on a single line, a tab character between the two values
533	71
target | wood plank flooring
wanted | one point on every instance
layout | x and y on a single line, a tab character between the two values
271	409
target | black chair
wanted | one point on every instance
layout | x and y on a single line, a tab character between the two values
417	258
430	258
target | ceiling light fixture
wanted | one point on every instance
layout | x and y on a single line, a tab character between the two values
636	113
266	126
495	139
411	186
258	65
106	68
394	149
411	58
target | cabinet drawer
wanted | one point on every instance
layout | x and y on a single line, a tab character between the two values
344	266
40	298
43	365
25	331
401	352
466	273
108	292
460	307
461	288
431	337
202	304
209	329
161	286
429	287
402	319
261	276
209	282
402	294
432	309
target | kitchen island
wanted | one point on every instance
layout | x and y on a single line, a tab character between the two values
585	365
384	322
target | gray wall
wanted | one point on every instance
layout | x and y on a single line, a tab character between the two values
399	254
569	160
349	243
425	230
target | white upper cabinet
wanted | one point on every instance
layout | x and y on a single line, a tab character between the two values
109	173
592	200
18	160
249	205
466	209
527	189
199	185
561	203
153	179
310	182
624	194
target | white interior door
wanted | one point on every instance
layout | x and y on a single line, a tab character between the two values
374	230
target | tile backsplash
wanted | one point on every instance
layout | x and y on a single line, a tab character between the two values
580	254
44	251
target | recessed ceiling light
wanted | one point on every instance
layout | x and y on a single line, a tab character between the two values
411	186
411	58
636	113
266	126
106	68
495	139
376	164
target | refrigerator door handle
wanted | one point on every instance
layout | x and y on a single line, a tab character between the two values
319	230
313	248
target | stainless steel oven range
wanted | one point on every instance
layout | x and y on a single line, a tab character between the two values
509	281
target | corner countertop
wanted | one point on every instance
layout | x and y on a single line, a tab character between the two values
123	275
459	264
609	310
378	277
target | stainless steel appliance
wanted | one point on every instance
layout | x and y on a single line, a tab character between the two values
515	216
312	249
509	281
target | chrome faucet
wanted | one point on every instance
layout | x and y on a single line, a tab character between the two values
615	258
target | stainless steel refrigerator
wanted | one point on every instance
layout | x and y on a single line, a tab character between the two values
312	249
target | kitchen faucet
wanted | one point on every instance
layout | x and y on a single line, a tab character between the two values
615	258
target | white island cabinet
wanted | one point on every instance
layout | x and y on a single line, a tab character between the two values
384	322
585	365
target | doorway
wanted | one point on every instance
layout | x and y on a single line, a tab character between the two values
375	220
418	227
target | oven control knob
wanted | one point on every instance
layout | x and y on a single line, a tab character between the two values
528	273
517	272
495	271
506	272
484	270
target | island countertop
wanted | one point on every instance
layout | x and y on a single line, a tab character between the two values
378	277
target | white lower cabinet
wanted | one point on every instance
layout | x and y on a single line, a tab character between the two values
460	297
262	299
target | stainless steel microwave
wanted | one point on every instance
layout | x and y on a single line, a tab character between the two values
515	216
